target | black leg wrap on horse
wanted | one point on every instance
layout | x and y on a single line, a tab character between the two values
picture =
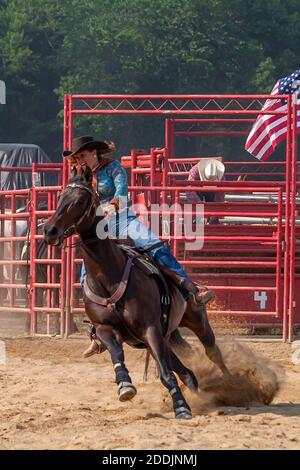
179	402
182	408
122	374
169	381
176	397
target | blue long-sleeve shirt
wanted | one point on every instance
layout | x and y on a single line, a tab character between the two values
112	185
112	182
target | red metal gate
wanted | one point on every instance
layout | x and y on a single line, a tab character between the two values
159	177
153	179
32	274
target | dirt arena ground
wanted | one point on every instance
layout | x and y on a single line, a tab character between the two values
51	398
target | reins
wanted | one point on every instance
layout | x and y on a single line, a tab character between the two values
73	227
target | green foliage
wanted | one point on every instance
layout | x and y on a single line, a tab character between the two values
49	48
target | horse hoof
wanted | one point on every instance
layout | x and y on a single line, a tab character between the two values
184	414
126	391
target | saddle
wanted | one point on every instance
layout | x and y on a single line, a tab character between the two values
149	267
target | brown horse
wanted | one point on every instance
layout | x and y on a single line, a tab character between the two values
136	318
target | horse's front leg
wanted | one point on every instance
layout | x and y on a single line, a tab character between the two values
113	342
156	342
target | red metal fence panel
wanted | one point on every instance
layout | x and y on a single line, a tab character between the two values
251	265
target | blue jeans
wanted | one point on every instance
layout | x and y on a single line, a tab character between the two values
124	226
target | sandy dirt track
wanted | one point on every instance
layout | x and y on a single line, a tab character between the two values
51	398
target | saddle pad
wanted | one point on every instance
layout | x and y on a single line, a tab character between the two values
144	262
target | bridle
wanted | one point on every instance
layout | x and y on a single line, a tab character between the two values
91	208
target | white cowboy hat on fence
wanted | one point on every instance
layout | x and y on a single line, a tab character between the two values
211	169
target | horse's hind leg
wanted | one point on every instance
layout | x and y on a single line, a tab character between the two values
156	342
186	375
197	321
179	344
126	390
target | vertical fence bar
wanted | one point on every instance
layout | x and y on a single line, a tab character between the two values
165	162
72	280
54	296
62	292
67	255
176	224
49	277
152	166
65	137
68	305
287	224
170	145
292	302
133	174
70	119
165	166
278	255
64	260
12	250
48	280
169	136
32	277
66	121
2	244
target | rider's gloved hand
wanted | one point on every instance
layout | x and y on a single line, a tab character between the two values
108	209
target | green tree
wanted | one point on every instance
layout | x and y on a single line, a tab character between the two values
51	48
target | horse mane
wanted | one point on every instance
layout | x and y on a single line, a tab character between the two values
78	179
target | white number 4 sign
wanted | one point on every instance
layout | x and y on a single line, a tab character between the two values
261	297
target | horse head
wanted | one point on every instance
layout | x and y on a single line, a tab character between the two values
76	208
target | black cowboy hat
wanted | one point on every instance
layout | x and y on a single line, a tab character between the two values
86	142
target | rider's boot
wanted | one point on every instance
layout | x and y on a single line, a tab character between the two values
96	346
199	294
170	266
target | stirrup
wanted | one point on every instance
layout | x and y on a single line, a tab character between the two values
94	348
201	298
204	297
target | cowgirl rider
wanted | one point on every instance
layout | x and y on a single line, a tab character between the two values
110	181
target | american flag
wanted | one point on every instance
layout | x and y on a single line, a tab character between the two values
269	130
